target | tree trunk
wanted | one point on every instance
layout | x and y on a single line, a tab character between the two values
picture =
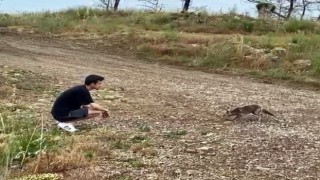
303	12
108	5
116	5
279	15
186	5
290	9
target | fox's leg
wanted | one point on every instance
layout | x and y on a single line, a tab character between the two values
237	117
258	113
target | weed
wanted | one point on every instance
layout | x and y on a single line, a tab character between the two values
136	163
119	144
175	134
144	128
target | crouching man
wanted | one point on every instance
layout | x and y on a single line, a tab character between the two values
76	104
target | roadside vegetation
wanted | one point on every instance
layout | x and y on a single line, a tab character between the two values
228	42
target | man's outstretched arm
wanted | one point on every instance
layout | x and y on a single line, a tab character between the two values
96	106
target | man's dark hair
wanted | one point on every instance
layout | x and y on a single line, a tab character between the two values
93	79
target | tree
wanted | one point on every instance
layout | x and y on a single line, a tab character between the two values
109	4
308	5
116	5
318	10
153	5
265	10
286	8
290	9
186	5
105	4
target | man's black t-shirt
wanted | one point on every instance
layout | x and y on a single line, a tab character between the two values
71	99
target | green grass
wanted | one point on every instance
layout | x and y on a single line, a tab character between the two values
169	37
120	144
175	134
293	26
158	21
23	137
218	55
136	163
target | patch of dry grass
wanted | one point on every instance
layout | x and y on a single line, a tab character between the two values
79	152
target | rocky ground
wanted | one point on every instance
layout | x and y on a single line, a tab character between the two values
170	120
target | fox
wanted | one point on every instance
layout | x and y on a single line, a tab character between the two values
254	109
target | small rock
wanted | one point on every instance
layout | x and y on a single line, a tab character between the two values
42	100
253	50
191	151
237	17
136	148
302	63
205	148
250	58
279	51
122	89
195	45
178	171
19	29
149	152
110	97
124	100
262	168
13	79
209	134
273	57
152	176
9	104
37	105
17	74
190	172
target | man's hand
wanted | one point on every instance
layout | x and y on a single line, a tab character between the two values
105	112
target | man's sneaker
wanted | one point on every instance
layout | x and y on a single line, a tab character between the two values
67	126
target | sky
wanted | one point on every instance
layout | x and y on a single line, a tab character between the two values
19	6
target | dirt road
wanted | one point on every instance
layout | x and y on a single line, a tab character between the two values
169	99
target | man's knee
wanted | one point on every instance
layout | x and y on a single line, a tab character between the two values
79	113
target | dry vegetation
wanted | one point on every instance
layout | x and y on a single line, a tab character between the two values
264	48
165	123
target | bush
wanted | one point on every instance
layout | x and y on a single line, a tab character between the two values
159	19
248	26
218	55
296	25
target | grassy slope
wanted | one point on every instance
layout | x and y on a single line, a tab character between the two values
199	41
